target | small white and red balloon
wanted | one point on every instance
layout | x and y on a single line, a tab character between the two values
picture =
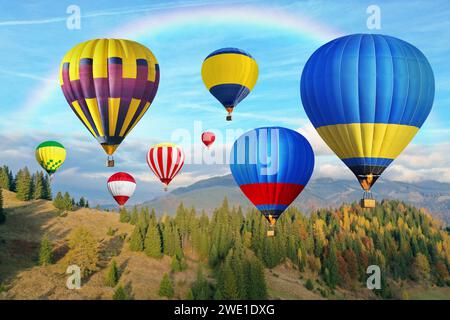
121	185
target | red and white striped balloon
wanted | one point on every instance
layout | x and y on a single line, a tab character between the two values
121	185
165	160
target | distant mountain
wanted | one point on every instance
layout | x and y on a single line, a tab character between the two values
323	192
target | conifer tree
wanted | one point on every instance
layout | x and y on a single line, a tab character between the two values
134	216
2	213
47	188
113	275
5	182
166	287
39	188
120	294
45	251
178	263
67	202
152	243
200	288
23	185
124	216
331	266
256	283
136	240
82	202
58	202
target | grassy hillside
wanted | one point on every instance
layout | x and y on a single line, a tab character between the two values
22	278
19	244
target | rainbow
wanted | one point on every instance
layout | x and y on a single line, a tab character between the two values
167	19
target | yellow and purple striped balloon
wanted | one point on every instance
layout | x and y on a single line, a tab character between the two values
109	84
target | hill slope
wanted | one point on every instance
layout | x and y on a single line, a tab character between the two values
22	278
320	193
20	237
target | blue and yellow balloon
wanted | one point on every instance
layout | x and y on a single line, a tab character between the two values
229	74
367	96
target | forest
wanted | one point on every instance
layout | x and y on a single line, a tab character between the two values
334	245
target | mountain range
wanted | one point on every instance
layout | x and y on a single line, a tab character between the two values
319	193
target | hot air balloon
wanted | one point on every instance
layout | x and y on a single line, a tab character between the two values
367	96
165	160
50	155
109	84
121	185
229	74
208	138
271	165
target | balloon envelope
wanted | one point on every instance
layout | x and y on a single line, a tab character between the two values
229	74
367	96
50	155
271	165
208	138
121	185
109	84
165	160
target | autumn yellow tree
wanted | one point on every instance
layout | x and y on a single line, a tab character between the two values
83	251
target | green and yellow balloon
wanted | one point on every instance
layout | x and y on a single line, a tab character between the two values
50	155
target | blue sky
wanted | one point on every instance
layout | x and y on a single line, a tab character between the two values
281	35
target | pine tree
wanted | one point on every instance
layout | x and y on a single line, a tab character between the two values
5	182
166	287
124	216
200	288
39	189
45	251
82	202
23	185
58	202
228	285
331	266
134	216
87	204
47	188
256	283
152	243
2	213
120	294
113	275
67	202
178	264
136	240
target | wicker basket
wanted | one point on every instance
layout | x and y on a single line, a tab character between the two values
368	203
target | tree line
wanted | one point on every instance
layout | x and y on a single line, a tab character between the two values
37	186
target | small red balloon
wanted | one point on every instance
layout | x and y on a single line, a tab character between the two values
208	138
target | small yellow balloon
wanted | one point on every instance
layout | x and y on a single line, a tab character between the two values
50	155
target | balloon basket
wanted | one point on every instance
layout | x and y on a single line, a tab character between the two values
229	117
367	201
110	162
166	188
270	233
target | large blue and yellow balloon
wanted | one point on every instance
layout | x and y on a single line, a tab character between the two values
367	96
229	74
